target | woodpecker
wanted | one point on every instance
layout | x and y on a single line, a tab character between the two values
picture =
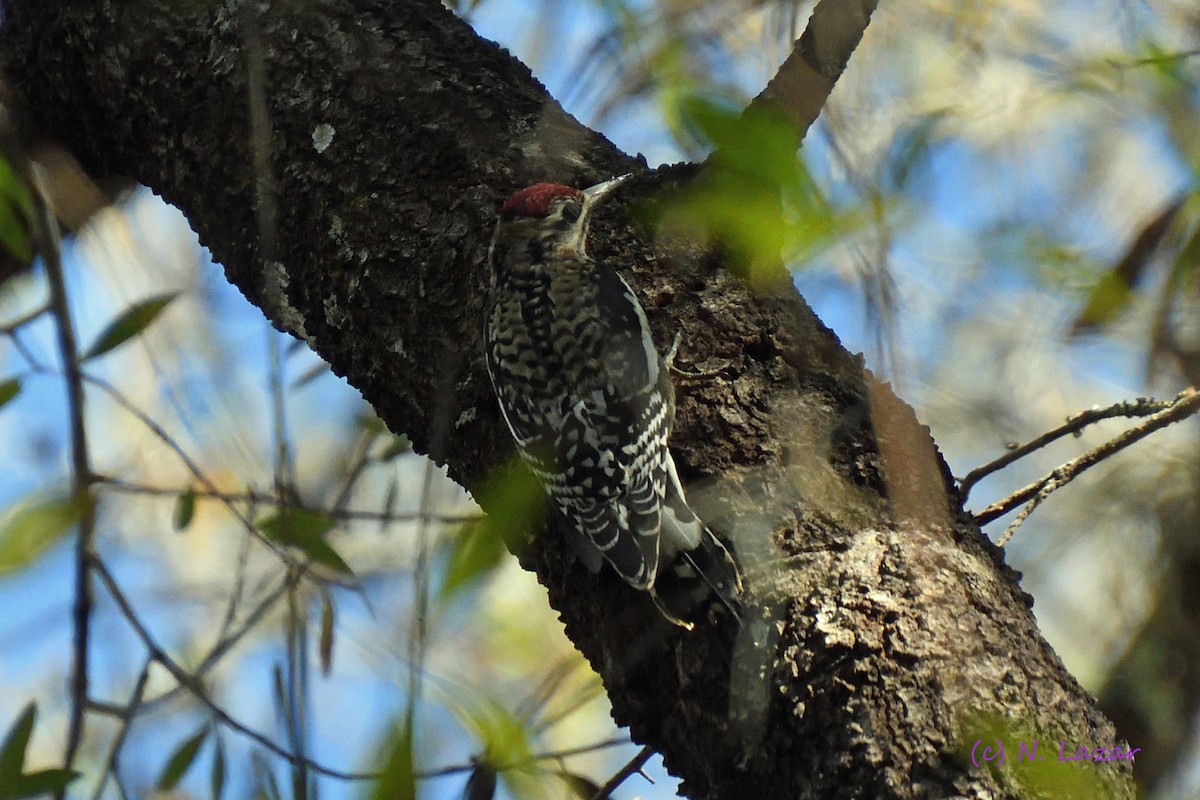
588	398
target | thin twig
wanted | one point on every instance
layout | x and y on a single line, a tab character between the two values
1186	404
804	81
358	464
46	235
195	688
419	633
634	766
1073	425
9	327
27	354
264	498
230	639
127	715
177	448
555	755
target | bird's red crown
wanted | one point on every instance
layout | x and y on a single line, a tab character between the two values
534	201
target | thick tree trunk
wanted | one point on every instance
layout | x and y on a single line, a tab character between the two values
354	205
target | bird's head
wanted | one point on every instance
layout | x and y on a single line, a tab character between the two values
544	221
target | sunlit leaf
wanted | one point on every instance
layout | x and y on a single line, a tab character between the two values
27	530
474	552
325	647
8	390
185	509
397	779
514	503
181	760
130	323
217	777
505	737
305	530
755	197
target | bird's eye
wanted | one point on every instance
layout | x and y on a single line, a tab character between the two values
571	211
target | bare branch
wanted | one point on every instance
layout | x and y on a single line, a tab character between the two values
197	690
1186	404
1074	424
44	229
127	715
263	498
803	83
634	766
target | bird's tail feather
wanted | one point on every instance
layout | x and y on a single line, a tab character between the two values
704	579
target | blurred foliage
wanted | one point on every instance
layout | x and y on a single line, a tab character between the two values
30	527
181	760
133	321
16	212
305	530
397	780
755	198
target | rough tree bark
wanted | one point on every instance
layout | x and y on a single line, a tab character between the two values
354	207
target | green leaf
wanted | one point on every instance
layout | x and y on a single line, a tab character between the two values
13	189
217	778
397	780
506	743
756	198
581	786
12	751
133	321
42	783
325	648
32	527
396	446
14	234
514	503
1115	291
476	551
181	760
305	530
185	509
16	211
8	390
14	783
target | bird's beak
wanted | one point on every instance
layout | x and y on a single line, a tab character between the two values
594	194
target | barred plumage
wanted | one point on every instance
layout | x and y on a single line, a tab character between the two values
583	388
